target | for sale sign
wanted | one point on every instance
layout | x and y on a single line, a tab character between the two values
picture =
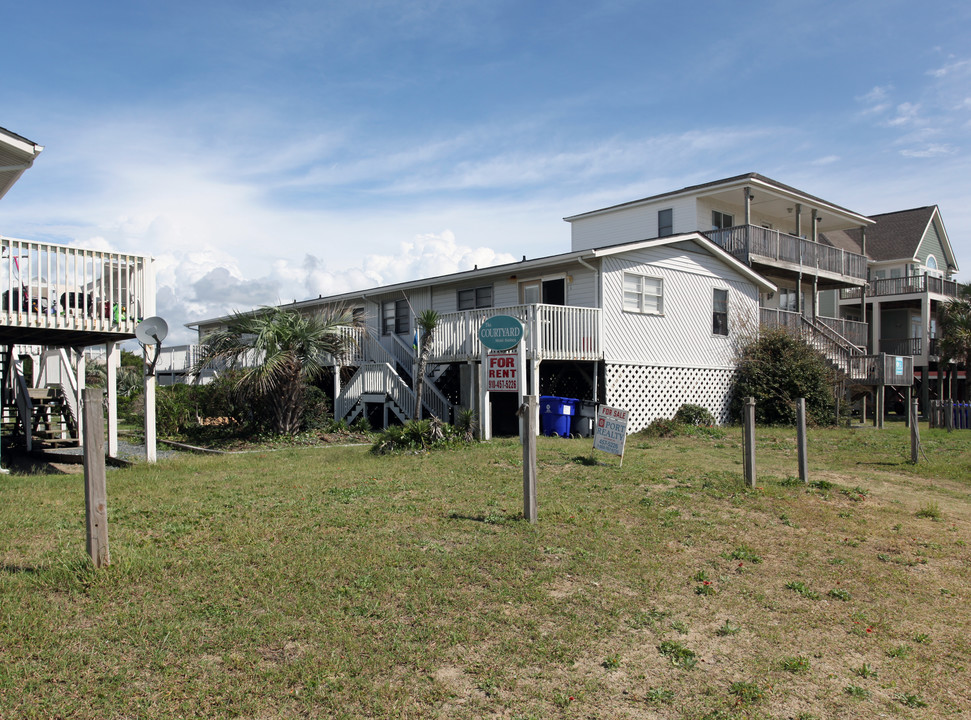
503	372
610	435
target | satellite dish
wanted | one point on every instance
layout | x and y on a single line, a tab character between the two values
151	331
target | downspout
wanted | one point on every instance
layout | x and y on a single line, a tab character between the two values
600	303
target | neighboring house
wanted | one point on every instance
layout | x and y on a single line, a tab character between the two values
647	325
911	266
57	300
646	311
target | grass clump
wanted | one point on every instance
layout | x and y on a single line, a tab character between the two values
678	654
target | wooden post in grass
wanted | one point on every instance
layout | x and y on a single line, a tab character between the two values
95	489
527	415
801	439
914	431
949	415
748	450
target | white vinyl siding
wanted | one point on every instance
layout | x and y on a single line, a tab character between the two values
643	294
632	224
683	336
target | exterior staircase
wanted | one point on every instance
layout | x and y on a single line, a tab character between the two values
383	377
52	422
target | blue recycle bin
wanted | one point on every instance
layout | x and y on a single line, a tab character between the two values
555	414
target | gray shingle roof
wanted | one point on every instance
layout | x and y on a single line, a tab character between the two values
896	235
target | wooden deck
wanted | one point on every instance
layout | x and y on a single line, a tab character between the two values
63	296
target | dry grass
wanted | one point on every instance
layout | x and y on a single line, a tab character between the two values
330	583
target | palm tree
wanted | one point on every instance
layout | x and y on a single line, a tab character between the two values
427	321
278	352
954	318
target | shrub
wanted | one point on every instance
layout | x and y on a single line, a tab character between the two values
417	436
776	369
316	408
689	414
661	427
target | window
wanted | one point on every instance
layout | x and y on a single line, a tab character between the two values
472	298
643	294
394	317
931	263
787	299
719	312
720	220
665	222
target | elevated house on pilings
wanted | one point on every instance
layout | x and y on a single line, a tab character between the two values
780	232
646	325
911	274
55	301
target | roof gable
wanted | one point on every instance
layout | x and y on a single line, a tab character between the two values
905	235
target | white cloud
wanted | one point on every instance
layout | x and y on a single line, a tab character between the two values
907	114
827	160
929	151
959	67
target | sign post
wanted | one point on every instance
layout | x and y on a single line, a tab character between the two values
500	333
503	370
610	433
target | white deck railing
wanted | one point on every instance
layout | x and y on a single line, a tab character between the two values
375	379
48	286
746	241
553	332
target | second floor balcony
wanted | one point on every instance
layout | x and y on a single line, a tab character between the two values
66	296
768	248
910	285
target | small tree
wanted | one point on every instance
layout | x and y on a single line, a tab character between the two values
954	318
278	352
777	368
427	322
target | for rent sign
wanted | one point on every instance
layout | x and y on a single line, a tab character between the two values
611	431
503	372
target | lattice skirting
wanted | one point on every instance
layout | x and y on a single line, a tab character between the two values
650	392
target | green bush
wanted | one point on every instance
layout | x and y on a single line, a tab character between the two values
417	436
776	369
316	408
689	414
175	408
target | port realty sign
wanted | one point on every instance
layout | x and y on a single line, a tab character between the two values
610	434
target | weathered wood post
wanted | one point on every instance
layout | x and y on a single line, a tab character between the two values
908	400
949	415
914	431
801	439
748	450
95	489
527	416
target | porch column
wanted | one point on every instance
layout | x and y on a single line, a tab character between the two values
79	372
112	361
149	386
534	390
748	205
876	330
798	220
815	220
863	289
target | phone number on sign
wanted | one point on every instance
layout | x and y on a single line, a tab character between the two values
502	385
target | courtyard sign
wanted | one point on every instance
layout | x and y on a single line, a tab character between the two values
501	332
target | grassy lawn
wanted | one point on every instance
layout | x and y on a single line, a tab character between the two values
331	583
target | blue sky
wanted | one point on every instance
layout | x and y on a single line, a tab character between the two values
265	152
